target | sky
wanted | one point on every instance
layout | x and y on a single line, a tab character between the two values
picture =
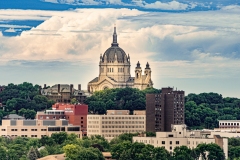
191	45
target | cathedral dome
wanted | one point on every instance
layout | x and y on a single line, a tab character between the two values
115	52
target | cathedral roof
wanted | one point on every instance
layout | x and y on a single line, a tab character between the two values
115	52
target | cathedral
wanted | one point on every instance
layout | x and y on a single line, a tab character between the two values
114	71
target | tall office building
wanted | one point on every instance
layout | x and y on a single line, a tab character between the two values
164	109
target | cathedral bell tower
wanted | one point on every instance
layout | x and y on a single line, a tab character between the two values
138	73
147	71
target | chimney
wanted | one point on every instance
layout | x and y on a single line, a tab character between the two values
58	88
45	86
40	90
79	86
71	88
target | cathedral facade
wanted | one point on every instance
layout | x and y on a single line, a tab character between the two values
114	71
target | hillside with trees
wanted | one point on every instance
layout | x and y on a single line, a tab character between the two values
23	99
118	98
205	109
201	110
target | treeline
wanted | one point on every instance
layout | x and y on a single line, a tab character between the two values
23	99
118	99
121	148
205	109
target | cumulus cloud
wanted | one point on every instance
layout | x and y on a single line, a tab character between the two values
177	45
173	5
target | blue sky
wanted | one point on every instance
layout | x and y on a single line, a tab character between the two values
191	45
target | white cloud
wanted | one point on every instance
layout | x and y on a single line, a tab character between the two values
177	45
10	30
173	5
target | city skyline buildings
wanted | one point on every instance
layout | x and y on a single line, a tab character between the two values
192	50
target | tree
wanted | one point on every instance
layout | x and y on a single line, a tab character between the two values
45	140
3	153
210	151
182	153
160	153
76	152
59	138
117	149
32	155
43	152
74	101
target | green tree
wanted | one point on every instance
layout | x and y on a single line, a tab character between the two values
59	138
74	101
182	153
160	153
32	155
43	152
3	153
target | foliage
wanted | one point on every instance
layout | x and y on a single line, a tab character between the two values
32	155
73	152
205	109
24	96
27	113
118	98
234	148
74	101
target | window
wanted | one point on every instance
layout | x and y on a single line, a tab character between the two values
81	121
177	142
73	129
54	129
163	142
170	135
170	142
170	148
81	117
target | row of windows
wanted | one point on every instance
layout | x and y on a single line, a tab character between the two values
133	117
108	126
122	126
162	142
229	124
123	122
122	131
112	70
25	129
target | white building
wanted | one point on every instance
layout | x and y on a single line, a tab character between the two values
116	122
181	137
114	71
36	128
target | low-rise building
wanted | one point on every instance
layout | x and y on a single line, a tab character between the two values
76	114
116	122
181	137
229	124
64	93
36	128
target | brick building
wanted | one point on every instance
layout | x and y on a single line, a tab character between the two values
1	89
75	114
164	109
64	93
